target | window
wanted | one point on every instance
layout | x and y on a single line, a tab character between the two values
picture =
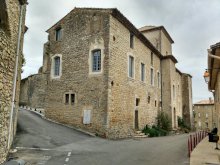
158	79
174	92
96	60
131	66
131	40
58	34
152	58
69	98
206	115
56	66
155	103
152	76
66	98
142	72
72	98
137	102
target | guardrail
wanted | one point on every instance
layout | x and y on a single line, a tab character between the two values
194	139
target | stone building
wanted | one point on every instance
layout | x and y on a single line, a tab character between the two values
203	114
106	76
214	79
12	29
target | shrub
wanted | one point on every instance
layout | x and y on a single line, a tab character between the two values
182	124
154	131
163	121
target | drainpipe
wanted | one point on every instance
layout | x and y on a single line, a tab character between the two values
15	75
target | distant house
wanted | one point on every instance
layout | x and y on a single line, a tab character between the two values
11	45
102	74
204	112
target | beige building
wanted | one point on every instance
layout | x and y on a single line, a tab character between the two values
204	114
12	29
102	74
214	78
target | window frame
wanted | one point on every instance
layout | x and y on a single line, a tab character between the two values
58	34
53	75
98	60
131	40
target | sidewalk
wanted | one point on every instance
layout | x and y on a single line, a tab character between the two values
205	153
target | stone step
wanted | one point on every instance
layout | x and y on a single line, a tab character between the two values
137	132
140	136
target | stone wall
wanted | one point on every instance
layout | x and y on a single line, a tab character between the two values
85	31
33	91
123	90
187	99
204	116
8	41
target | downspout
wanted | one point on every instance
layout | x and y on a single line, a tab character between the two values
15	75
161	84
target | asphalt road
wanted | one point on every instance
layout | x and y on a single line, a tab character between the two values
41	142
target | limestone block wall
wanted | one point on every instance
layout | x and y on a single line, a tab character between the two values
124	91
33	91
8	43
187	99
204	115
82	32
154	38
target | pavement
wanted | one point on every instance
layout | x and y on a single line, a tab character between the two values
205	153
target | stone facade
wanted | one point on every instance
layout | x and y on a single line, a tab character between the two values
214	76
204	114
9	23
134	81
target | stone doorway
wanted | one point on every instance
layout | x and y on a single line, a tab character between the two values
136	126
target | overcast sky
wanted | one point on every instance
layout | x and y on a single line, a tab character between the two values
193	24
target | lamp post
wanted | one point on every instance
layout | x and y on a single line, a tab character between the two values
206	76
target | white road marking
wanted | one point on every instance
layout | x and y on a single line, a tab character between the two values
27	148
67	159
69	154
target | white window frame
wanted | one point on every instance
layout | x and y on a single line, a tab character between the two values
53	76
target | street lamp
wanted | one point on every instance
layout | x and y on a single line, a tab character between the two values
206	76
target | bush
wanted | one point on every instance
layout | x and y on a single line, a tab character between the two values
183	126
163	121
154	131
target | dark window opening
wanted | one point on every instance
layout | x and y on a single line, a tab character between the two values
72	98
67	98
131	66
155	103
152	58
131	40
137	101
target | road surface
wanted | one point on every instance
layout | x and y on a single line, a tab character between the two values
42	142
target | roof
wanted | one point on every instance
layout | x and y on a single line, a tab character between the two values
177	70
170	57
213	65
154	28
122	19
205	102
